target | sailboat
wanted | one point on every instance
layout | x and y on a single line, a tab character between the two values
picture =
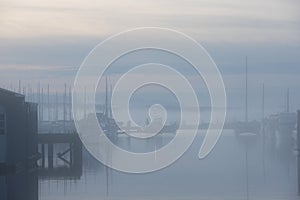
247	127
286	120
106	121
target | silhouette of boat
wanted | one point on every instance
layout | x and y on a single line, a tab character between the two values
246	126
111	127
106	121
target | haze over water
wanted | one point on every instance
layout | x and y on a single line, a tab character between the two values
222	175
43	44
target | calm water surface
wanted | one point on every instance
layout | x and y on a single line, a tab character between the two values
269	173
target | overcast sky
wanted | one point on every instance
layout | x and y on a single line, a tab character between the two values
46	40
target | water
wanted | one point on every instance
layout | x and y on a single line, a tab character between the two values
272	174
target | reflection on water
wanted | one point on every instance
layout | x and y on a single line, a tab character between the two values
268	173
19	186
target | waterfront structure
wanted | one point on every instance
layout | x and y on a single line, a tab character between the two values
18	132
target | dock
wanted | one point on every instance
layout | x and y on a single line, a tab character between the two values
71	156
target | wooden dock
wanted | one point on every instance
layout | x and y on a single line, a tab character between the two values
72	156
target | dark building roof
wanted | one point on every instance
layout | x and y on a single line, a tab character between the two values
10	93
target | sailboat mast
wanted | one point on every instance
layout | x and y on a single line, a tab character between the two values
110	96
106	98
263	101
288	100
84	106
246	97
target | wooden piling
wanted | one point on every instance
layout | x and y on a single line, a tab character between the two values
50	155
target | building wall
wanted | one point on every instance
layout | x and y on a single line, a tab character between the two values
3	186
21	124
3	139
32	127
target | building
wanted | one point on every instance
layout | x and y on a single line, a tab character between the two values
18	133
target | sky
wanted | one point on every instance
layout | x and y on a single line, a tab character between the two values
46	41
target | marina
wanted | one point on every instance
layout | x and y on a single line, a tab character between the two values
260	166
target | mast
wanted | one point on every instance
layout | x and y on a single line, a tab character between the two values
39	100
106	98
246	97
56	106
64	103
48	101
19	90
70	103
42	105
263	101
288	100
65	107
110	108
84	106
